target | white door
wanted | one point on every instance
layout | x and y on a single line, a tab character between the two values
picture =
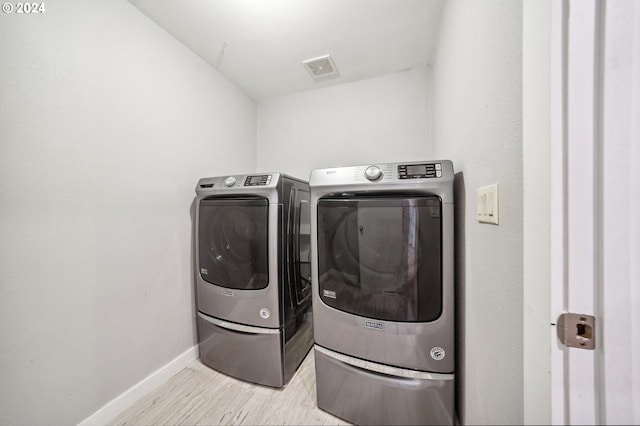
595	208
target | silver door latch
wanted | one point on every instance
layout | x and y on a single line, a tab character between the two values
577	330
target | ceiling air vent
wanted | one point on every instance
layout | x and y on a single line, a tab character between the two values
321	68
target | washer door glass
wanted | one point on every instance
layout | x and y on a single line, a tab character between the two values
233	242
381	257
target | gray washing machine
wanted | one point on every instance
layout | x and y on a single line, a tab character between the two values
253	276
383	292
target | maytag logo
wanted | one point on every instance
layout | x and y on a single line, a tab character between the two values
227	292
329	293
374	324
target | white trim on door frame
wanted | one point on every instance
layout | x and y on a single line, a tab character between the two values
595	155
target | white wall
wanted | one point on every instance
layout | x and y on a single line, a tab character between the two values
382	119
536	35
106	124
477	123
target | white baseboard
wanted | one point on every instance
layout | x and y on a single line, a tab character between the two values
125	400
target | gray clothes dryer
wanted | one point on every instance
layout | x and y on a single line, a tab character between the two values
253	275
383	292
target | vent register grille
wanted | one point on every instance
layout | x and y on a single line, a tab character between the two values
321	68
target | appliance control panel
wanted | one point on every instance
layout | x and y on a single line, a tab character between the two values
433	176
257	180
243	183
419	171
387	172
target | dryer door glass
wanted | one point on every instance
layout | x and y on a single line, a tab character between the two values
297	245
381	257
233	242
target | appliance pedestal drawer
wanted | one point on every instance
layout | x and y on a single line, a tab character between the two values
247	353
362	392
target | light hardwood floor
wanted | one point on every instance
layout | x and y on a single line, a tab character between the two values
199	395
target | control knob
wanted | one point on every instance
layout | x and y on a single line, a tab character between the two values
230	181
373	173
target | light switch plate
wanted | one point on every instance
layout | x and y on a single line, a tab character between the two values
487	208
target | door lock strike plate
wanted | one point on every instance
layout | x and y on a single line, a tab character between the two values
577	330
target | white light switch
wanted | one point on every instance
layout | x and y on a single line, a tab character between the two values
487	208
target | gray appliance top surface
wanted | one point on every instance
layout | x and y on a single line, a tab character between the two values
431	176
242	183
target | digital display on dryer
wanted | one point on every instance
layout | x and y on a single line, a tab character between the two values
420	171
260	180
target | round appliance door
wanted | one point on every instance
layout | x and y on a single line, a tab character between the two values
381	257
232	242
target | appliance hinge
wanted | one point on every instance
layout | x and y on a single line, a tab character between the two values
577	330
